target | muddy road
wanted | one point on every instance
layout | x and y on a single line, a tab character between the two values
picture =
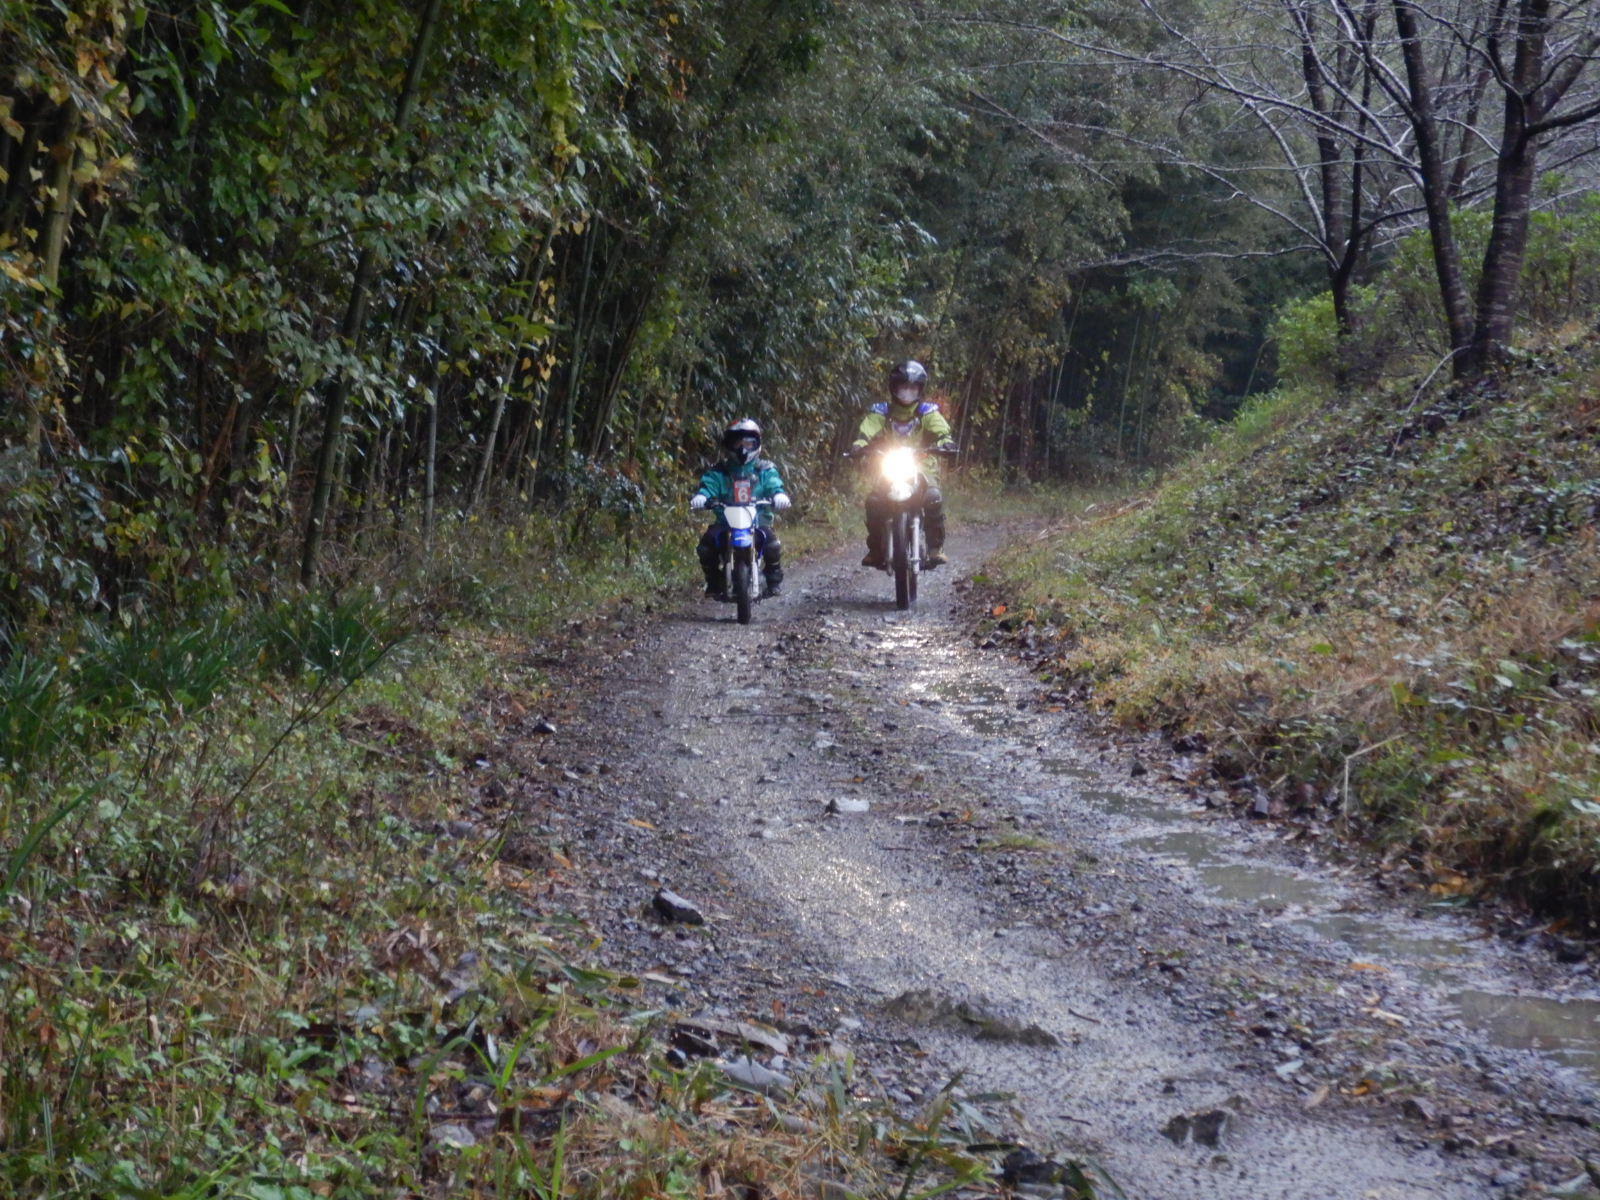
902	850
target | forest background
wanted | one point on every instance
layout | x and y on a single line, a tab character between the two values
282	277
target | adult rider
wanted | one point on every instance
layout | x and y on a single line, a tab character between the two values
908	417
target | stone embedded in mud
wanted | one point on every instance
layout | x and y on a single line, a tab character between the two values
1417	1110
672	907
1265	807
923	1006
543	725
458	1136
746	1072
849	804
1202	1128
1207	1128
1023	1166
746	1033
693	1042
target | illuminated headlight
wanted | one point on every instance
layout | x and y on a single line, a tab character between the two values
899	470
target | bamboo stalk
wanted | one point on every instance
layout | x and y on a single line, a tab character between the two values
355	316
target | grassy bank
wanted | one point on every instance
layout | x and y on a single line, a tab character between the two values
274	924
1375	607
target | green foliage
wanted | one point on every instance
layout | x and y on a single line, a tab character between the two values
340	639
607	228
1308	340
238	955
1558	274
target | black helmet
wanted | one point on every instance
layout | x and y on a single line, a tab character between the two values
742	438
907	380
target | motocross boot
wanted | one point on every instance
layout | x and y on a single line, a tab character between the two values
772	556
877	555
711	568
933	528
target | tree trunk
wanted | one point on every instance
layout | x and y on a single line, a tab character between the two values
16	200
430	472
355	316
533	275
1127	379
1499	284
1435	184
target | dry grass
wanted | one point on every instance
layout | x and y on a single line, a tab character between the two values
1352	601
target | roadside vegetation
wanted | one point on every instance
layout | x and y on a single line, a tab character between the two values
279	922
1378	607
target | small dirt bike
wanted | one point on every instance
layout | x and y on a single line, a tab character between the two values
899	480
742	544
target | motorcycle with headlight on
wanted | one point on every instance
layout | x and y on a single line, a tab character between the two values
896	471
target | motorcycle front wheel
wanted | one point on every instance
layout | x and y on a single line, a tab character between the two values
743	589
903	556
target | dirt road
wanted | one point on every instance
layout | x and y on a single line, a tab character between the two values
902	849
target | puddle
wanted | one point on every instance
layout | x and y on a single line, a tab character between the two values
1441	953
1431	958
1567	1030
980	705
1270	887
971	691
1066	768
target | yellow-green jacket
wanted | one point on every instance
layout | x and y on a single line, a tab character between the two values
921	423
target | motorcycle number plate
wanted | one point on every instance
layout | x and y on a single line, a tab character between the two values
741	491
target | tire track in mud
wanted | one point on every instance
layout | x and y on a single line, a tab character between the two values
974	859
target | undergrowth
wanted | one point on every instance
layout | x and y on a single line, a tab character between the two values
275	924
1370	608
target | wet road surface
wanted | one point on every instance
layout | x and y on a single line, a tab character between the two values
875	808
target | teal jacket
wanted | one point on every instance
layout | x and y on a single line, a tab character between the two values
716	485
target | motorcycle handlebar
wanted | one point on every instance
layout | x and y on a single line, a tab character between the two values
949	450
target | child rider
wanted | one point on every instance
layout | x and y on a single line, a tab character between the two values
742	441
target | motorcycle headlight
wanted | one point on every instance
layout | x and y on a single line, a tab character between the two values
898	469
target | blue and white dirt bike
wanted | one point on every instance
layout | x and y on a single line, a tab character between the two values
742	544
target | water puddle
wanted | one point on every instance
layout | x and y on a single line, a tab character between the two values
1567	1030
1442	952
1066	768
1432	958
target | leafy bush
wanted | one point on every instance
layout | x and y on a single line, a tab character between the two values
32	721
1308	340
338	639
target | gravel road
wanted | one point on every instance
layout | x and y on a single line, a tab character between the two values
902	848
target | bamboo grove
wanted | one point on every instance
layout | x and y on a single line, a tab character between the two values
283	276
